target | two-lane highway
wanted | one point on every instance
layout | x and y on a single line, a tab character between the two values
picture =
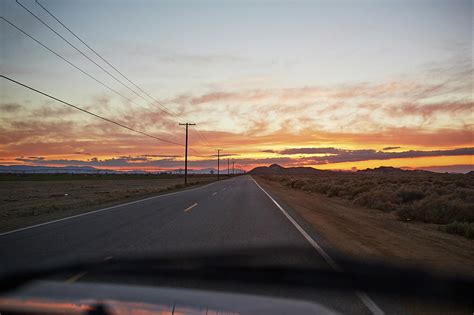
233	213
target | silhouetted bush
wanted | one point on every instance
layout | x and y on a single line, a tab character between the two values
462	228
409	194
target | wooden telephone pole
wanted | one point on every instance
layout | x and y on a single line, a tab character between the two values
186	153
218	162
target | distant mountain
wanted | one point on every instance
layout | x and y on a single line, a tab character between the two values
37	169
276	169
391	170
454	169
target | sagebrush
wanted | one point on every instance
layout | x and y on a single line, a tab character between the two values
413	196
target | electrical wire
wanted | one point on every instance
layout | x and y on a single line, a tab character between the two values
165	109
89	112
73	65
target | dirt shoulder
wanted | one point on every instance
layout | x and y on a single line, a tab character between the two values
364	233
29	202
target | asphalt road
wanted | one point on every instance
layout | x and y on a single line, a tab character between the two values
232	213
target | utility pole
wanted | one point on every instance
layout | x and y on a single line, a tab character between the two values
233	167
228	168
186	153
218	162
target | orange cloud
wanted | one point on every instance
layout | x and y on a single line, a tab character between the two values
245	122
427	110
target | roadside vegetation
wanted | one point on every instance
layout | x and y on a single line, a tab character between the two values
443	199
35	198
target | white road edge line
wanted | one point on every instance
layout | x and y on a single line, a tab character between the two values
104	209
76	277
371	305
190	207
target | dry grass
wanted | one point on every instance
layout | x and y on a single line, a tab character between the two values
35	199
444	199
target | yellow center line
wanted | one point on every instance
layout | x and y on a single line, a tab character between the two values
190	207
76	277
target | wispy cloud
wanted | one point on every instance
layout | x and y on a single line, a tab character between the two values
310	151
428	110
10	107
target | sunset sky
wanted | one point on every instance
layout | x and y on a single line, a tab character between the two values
329	84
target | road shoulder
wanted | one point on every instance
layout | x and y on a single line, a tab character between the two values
372	234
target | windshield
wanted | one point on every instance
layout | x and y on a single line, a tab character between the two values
141	130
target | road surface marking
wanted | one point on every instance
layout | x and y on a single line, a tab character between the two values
368	302
214	193
108	258
190	207
374	308
104	209
76	277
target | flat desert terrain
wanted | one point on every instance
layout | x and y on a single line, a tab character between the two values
33	199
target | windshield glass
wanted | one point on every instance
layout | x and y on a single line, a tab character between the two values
288	134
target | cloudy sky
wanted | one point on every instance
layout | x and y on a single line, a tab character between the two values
329	84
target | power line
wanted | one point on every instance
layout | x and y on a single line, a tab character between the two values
73	65
165	109
201	139
89	112
218	162
86	56
196	153
201	136
82	53
168	111
81	70
77	49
